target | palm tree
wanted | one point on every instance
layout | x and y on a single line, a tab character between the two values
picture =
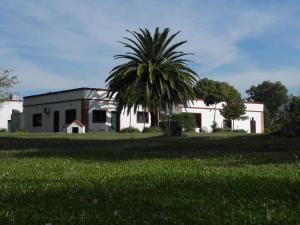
154	76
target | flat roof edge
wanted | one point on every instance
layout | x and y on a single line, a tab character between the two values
64	91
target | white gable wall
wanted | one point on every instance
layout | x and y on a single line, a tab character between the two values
100	105
6	109
253	110
130	120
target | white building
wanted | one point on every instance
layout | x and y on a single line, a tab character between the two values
205	116
50	112
11	105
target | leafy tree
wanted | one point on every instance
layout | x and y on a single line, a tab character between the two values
274	96
294	106
6	81
155	75
214	92
289	123
234	109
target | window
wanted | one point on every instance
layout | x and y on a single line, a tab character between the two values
99	116
70	116
142	117
37	120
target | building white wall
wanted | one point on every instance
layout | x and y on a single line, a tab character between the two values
95	104
61	101
47	118
130	120
6	109
97	100
126	120
253	110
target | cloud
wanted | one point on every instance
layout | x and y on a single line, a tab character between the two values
62	44
242	80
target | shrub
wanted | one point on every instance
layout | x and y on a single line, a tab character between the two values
174	130
130	130
2	130
185	120
291	128
21	130
152	130
240	131
217	130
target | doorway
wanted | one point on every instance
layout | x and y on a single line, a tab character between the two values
252	126
75	130
56	121
115	121
198	118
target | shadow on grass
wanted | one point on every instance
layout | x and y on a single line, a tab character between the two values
249	148
193	199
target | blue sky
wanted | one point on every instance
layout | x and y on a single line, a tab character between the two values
55	45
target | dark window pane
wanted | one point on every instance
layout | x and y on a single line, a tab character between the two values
70	116
37	120
142	117
99	116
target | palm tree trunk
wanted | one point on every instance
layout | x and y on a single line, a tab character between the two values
154	118
157	114
130	119
215	113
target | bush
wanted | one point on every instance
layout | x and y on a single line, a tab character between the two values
240	131
217	130
2	130
185	120
21	130
291	128
175	130
130	130
152	130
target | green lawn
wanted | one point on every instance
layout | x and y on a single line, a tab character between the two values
137	179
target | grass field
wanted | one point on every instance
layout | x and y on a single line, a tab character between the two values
148	179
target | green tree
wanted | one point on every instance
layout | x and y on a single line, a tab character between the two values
154	76
7	80
289	123
273	95
234	109
213	92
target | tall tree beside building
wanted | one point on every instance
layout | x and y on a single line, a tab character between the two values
7	80
289	123
213	92
273	95
234	109
155	75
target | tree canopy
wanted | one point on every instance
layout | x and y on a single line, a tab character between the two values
6	81
234	109
274	95
155	74
214	92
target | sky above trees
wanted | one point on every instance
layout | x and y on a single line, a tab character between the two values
55	45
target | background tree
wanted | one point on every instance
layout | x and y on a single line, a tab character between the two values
213	92
154	76
7	80
289	123
234	109
274	96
